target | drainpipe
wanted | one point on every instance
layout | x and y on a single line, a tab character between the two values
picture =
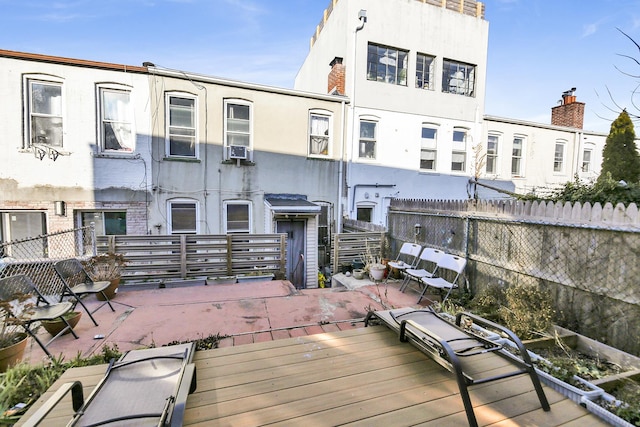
343	128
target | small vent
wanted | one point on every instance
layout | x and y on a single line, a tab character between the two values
238	152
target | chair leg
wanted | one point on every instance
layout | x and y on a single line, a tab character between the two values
40	343
107	301
87	310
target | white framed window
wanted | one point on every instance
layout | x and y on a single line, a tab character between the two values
458	77
116	120
238	123
517	152
183	216
425	65
586	160
387	64
181	123
319	133
558	157
44	113
237	217
367	142
493	143
428	147
106	222
459	150
364	213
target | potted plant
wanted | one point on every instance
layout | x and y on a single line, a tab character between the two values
106	267
373	265
56	325
13	340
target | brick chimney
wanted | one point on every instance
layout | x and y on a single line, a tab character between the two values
570	113
335	84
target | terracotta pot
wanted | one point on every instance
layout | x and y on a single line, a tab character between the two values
56	325
11	355
111	290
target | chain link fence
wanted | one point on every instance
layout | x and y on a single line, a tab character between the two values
35	256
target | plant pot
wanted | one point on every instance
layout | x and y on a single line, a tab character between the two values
111	290
221	280
11	355
377	273
55	326
358	273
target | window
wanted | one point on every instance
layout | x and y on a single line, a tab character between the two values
459	152
45	113
458	78
107	222
428	148
586	161
237	217
181	126
183	216
516	156
558	158
424	71
116	131
492	154
387	64
367	146
319	130
237	123
364	213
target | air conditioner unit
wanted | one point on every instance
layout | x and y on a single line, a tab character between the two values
238	152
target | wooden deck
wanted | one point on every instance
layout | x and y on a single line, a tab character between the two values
363	376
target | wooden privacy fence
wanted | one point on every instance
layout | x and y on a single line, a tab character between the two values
189	256
349	247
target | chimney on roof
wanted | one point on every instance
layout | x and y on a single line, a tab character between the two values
569	113
336	80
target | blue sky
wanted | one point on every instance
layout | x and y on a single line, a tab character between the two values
537	48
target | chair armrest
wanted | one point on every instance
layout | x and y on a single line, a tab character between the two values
77	398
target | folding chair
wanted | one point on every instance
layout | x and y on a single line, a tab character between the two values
14	286
429	258
78	283
407	257
447	265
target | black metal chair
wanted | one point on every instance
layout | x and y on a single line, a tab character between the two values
78	283
14	287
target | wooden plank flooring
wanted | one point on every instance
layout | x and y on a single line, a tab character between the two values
362	376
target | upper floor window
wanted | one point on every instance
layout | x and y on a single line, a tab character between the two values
183	216
516	156
237	121
319	134
424	71
458	77
459	151
586	160
558	157
387	64
116	131
237	217
492	154
428	147
181	126
367	144
45	113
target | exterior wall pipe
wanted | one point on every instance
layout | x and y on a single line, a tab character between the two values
355	188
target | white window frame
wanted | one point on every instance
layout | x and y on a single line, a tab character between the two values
369	206
559	156
225	218
170	129
196	206
458	77
317	139
429	146
459	148
425	77
372	140
31	116
492	154
228	132
587	163
518	157
392	60
100	223
128	145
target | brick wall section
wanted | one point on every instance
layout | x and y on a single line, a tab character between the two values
336	79
568	114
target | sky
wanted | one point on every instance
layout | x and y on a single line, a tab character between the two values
537	48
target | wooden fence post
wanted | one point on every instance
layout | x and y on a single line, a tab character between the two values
183	256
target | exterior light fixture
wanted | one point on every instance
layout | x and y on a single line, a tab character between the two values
60	208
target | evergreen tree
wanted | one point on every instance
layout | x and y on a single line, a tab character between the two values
620	156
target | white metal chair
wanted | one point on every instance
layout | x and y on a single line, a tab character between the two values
429	258
407	257
447	265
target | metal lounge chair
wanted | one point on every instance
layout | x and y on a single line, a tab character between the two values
454	348
16	286
407	257
78	283
429	258
144	387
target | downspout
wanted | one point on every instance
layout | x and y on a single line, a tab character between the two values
343	128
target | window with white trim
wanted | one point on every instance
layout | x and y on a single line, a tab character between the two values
45	115
517	151
237	123
387	64
586	160
183	216
237	217
459	150
319	134
116	116
367	142
458	77
428	147
491	165
424	71
181	140
558	157
364	213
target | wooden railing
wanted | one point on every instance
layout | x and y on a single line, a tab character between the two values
349	247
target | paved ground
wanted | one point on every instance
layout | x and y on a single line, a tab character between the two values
247	312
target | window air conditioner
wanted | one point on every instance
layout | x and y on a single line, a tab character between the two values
238	152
